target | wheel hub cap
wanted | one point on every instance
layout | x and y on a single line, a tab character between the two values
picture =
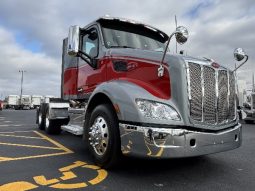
99	136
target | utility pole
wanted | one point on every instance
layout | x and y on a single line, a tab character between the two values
253	85
21	85
175	28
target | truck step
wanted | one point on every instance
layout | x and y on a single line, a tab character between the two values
74	129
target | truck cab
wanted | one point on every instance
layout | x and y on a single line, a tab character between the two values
125	93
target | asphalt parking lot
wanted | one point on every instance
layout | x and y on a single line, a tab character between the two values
32	160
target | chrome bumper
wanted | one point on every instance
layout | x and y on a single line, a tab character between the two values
174	143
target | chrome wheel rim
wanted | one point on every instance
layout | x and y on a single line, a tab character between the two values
40	119
47	122
99	136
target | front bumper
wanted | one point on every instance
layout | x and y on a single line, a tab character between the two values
175	143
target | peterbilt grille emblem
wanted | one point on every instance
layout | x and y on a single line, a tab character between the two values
160	71
215	65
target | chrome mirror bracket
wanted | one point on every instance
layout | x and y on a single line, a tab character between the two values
181	34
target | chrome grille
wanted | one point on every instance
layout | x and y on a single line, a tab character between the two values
211	94
223	96
232	96
196	92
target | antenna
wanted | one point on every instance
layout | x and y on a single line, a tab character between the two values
175	27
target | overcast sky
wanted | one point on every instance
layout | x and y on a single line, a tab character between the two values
31	34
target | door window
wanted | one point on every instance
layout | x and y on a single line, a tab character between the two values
90	43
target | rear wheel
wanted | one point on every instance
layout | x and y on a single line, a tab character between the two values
41	120
103	136
52	126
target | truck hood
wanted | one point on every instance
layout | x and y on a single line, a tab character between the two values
157	56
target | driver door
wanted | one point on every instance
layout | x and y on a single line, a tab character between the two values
88	77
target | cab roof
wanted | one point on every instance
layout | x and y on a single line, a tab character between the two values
117	20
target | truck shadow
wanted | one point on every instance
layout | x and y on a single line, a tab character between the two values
193	166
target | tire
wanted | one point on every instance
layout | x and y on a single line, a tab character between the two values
52	126
105	151
248	121
41	120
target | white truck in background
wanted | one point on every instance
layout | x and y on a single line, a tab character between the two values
46	99
25	102
36	101
249	109
12	101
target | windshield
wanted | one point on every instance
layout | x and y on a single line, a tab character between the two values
133	36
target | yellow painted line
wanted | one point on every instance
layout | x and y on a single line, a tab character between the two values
56	183
5	158
91	167
69	186
31	146
68	175
41	180
75	165
102	174
54	142
36	156
8	125
18	186
59	147
16	131
18	136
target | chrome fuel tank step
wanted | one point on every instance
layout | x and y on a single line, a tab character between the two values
74	129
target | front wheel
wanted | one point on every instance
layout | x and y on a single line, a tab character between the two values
103	137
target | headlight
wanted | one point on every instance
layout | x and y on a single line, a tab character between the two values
156	110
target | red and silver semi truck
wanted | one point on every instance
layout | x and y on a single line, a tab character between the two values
127	94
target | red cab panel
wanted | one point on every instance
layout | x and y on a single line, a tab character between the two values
70	82
143	73
89	78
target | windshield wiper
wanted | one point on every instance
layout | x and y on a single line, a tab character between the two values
116	46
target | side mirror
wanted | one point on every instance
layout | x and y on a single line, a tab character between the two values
239	55
73	40
181	34
73	46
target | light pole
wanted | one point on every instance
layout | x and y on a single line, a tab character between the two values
21	88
